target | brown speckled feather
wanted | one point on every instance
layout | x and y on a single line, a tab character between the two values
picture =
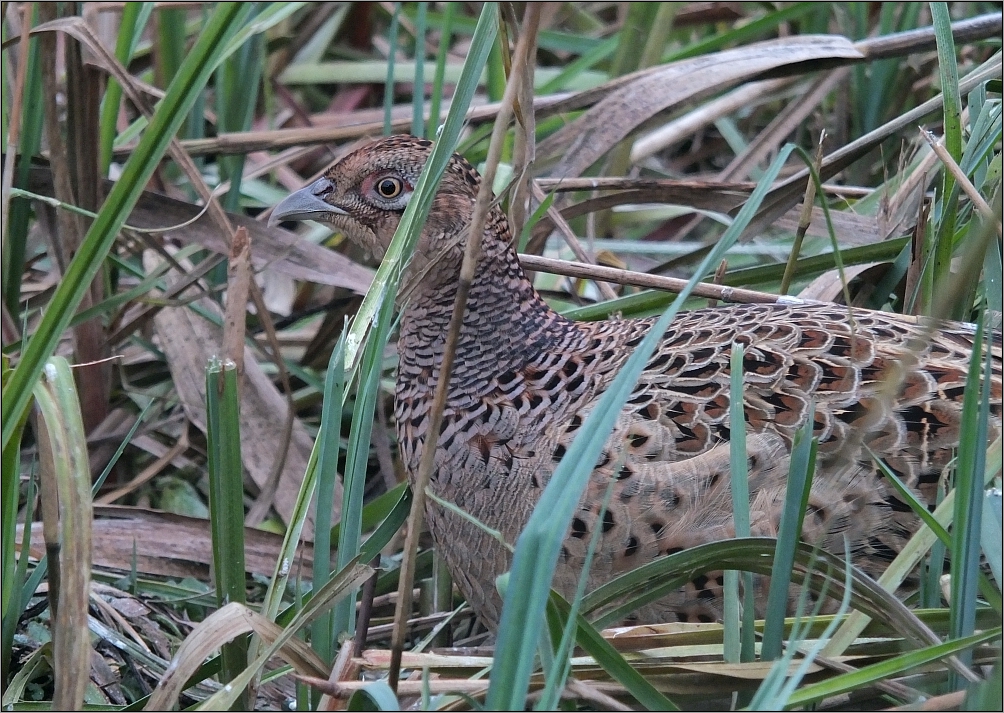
525	379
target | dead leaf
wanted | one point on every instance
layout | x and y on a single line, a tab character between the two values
828	286
170	545
584	141
188	341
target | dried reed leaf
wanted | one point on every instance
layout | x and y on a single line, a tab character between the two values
226	624
828	286
584	141
850	228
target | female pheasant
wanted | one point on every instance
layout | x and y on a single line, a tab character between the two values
525	378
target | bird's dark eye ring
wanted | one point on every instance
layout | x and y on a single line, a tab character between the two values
389	187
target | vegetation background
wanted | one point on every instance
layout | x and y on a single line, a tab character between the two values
217	466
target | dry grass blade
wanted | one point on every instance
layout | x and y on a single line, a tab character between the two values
74	166
345	668
14	130
692	122
718	196
65	473
828	286
349	128
224	625
901	43
585	140
786	121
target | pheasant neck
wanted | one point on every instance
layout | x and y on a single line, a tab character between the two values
506	326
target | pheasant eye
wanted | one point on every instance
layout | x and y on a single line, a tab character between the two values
389	187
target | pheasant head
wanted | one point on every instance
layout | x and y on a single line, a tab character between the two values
364	195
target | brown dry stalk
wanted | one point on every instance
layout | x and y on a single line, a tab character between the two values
238	284
963	180
658	282
804	219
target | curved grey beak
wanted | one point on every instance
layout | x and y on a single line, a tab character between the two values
306	204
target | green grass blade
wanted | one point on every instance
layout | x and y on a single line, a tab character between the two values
945	209
13	576
266	19
446	34
377	696
418	92
944	540
496	75
558	675
16	230
100	480
800	471
612	661
775	691
135	15
322	637
548	39
180	96
874	673
970	464
986	695
569	72
11	489
750	31
238	79
357	455
387	513
740	639
535	217
226	502
170	44
909	557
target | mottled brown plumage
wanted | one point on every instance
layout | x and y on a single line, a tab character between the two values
525	378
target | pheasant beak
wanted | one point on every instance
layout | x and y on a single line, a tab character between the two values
306	204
